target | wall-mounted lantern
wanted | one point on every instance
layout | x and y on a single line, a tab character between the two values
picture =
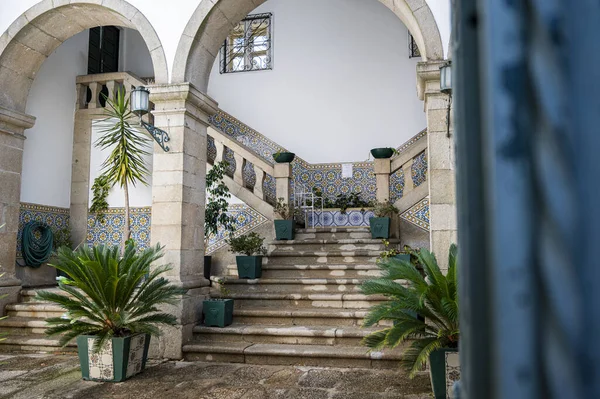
140	106
446	78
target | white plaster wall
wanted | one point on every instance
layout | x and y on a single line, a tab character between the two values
169	20
139	195
48	149
49	146
342	81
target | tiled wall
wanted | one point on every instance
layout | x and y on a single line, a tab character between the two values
110	230
326	177
56	218
418	214
335	218
246	219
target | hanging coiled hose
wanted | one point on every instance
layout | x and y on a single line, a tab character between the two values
36	250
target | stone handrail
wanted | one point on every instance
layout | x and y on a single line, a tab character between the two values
91	86
404	160
244	156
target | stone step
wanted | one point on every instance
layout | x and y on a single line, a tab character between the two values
34	309
23	325
314	271
359	257
278	334
288	354
35	343
289	285
333	233
246	300
300	317
348	244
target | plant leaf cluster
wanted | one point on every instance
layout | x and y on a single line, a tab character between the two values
217	206
109	295
283	210
342	201
385	209
248	244
423	308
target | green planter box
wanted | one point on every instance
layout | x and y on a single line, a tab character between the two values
404	257
284	157
249	266
382	153
119	359
380	227
444	369
217	312
284	229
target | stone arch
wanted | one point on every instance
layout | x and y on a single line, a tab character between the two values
213	20
40	30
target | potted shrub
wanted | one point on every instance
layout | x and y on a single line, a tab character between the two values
284	227
218	311
249	264
112	307
387	253
217	206
381	153
425	292
284	156
380	223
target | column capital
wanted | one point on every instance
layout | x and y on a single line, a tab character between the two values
282	170
15	122
428	78
183	98
382	166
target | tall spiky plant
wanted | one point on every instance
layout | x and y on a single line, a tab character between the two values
109	295
125	165
423	309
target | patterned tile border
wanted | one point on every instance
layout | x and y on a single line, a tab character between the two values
335	218
325	176
418	214
55	217
247	219
109	231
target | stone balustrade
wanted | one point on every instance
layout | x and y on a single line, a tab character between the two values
91	89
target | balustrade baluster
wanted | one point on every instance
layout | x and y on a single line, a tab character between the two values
260	179
408	178
95	88
238	175
220	151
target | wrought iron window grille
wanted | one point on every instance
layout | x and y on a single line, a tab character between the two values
413	49
249	45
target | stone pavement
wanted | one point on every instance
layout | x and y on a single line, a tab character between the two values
48	376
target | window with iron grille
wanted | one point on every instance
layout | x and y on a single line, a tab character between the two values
248	46
413	49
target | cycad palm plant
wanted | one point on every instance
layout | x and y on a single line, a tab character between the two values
110	295
423	308
125	165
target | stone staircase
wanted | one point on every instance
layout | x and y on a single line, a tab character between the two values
26	325
305	310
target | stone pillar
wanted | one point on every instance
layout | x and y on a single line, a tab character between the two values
178	201
440	160
12	140
283	181
382	176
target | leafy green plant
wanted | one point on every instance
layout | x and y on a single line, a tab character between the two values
217	205
433	296
342	201
248	244
385	209
100	191
109	295
391	252
282	209
125	164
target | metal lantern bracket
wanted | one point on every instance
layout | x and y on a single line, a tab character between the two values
159	135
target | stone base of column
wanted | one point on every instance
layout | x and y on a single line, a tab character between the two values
169	345
9	293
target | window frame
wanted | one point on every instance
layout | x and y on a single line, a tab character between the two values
245	51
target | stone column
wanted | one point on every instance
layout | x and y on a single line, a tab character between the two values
12	140
382	177
178	201
283	181
440	160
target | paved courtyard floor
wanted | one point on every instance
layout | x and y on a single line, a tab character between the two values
32	376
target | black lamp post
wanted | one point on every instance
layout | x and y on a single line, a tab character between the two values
140	106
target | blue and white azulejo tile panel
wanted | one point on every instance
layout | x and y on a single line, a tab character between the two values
56	218
335	218
419	169
418	214
246	220
109	231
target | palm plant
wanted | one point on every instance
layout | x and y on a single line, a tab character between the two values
110	295
125	165
423	309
